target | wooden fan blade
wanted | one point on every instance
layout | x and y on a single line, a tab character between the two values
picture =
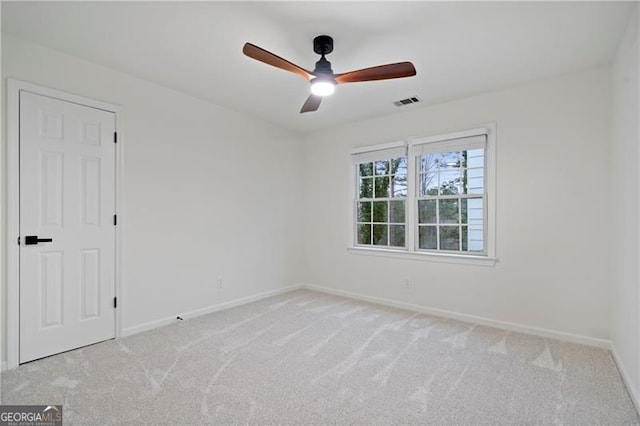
259	54
381	72
311	104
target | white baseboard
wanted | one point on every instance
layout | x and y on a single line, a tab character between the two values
207	310
633	393
521	328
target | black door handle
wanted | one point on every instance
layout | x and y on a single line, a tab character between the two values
33	239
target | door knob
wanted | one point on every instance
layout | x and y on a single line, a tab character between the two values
33	239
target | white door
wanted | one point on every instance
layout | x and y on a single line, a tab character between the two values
67	195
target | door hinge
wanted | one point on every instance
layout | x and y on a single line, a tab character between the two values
115	219
18	240
115	302
115	137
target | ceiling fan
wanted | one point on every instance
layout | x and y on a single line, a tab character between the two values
322	78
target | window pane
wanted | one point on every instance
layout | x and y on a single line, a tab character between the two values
428	184
380	235
449	211
428	162
366	169
399	165
450	182
382	167
464	215
463	163
382	187
396	236
449	238
475	158
427	211
474	181
427	237
399	185
475	237
465	239
380	211
364	234
396	212
364	211
366	188
451	160
474	211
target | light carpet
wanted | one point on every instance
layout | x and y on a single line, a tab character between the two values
310	358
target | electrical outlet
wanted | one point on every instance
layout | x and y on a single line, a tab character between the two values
220	285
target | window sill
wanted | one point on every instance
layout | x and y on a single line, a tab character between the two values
430	257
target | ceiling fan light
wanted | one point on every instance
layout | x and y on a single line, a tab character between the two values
322	87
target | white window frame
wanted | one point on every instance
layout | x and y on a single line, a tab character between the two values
488	258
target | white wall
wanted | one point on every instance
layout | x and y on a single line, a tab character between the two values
552	215
208	192
625	185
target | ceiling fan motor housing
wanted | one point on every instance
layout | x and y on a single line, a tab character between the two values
323	66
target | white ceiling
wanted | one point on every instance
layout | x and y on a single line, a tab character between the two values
458	48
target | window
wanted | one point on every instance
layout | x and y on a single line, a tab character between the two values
427	195
381	197
450	195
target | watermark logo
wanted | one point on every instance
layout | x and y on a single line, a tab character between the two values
30	415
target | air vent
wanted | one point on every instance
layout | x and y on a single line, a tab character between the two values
408	101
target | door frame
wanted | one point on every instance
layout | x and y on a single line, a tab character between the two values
12	303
